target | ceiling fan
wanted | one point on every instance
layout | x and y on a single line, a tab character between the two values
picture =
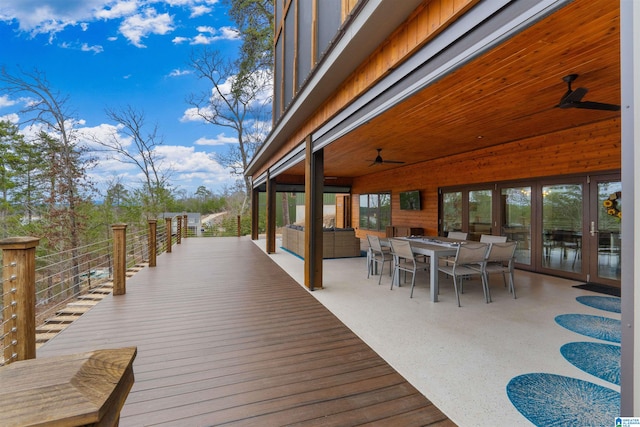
378	160
573	98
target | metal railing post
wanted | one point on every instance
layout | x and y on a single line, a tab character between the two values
19	301
167	222
239	226
119	259
152	242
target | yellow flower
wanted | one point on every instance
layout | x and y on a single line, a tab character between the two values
611	211
607	203
619	214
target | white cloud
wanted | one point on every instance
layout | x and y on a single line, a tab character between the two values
139	18
206	29
229	33
183	159
6	102
12	118
191	115
180	40
118	10
188	167
199	11
220	139
177	73
48	16
95	48
141	25
209	35
85	47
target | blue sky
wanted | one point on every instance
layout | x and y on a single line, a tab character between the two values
114	53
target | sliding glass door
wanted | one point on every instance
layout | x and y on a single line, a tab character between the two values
516	214
565	226
562	226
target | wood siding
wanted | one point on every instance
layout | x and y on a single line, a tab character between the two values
589	149
425	23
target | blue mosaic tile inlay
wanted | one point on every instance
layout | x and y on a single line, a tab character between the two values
549	400
611	304
597	359
598	327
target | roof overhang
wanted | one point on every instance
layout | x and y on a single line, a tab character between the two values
368	26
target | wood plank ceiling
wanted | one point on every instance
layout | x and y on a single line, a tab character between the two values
506	95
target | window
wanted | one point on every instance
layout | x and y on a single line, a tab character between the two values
375	211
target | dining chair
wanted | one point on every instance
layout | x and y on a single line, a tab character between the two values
405	260
468	262
500	259
458	235
377	256
490	238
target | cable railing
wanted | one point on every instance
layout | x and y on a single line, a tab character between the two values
45	293
63	277
7	306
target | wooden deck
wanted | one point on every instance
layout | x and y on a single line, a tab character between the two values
225	336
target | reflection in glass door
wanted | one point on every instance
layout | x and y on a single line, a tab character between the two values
451	212
562	221
515	205
604	230
480	216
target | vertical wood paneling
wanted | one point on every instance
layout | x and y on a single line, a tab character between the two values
589	149
419	28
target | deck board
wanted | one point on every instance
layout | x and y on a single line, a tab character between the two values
225	336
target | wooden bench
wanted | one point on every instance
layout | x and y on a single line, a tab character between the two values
73	390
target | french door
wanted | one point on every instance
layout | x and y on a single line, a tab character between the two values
604	230
567	226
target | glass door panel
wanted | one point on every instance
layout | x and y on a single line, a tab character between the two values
562	227
451	212
515	205
605	233
480	216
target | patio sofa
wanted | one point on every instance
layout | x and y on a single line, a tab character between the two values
336	242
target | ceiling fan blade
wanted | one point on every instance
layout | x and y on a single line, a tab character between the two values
392	161
590	105
574	96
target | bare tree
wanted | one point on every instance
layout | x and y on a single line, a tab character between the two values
236	100
142	154
49	110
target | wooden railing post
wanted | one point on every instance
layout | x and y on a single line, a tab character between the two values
119	259
152	242
178	230
185	225
239	226
19	301
167	222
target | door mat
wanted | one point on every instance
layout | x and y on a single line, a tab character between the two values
602	289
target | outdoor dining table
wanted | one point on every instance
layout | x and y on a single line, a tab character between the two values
435	248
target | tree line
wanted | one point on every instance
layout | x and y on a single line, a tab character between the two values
45	184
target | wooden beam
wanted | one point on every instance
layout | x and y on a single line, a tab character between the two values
271	214
314	186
